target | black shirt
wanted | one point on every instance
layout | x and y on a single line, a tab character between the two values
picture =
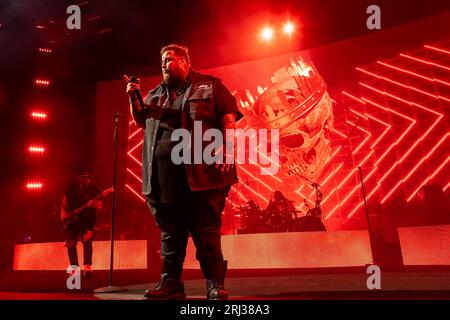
207	100
77	197
170	181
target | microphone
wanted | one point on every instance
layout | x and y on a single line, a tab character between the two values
138	92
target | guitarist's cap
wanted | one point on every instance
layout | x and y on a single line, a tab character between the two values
85	172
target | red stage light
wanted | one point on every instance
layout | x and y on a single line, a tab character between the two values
414	73
437	49
105	30
34	185
94	18
431	63
267	34
36	149
135	193
38	115
288	28
45	50
447	186
42	82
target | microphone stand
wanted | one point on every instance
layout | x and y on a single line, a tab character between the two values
316	187
366	207
110	288
231	200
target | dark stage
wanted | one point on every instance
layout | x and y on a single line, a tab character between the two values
346	284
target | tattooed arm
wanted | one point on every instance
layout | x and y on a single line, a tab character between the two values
228	122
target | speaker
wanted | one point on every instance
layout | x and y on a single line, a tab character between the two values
6	254
384	220
431	206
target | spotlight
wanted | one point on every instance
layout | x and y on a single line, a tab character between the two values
36	149
42	82
34	185
38	115
288	28
45	50
267	34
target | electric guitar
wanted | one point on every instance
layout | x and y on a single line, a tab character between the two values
72	216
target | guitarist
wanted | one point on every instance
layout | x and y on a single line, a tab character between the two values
82	226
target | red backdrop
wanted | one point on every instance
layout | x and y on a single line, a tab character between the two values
391	96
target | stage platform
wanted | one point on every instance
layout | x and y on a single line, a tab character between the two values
420	246
250	251
294	285
284	266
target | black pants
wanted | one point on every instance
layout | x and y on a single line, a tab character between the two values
73	234
197	213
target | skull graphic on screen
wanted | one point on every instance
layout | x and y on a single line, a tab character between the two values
298	104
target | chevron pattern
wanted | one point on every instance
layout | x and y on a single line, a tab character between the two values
393	123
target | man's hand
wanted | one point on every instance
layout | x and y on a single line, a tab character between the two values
228	122
225	166
132	87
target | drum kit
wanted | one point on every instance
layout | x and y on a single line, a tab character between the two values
279	216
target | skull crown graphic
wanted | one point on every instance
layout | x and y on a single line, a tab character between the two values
298	104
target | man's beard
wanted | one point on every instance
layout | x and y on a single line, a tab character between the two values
173	80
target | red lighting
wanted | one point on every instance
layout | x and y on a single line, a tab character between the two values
36	149
134	175
413	73
135	193
398	137
45	50
447	186
42	82
34	185
105	30
267	34
437	49
135	133
425	61
403	85
94	18
288	28
428	179
39	115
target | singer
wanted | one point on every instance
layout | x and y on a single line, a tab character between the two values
184	198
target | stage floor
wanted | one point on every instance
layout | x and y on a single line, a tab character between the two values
295	286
